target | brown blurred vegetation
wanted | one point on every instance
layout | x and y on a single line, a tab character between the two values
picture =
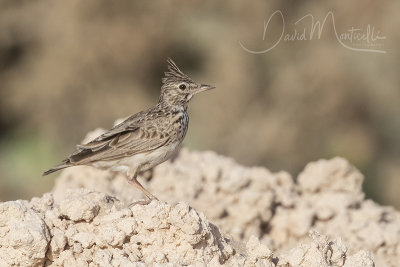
67	67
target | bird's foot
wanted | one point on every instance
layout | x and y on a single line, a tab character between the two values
142	202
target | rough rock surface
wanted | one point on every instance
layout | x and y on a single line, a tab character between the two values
24	236
252	217
99	230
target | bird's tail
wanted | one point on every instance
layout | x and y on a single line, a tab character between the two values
63	165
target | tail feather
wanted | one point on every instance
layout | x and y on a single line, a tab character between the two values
57	168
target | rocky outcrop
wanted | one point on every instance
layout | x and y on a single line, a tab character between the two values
212	211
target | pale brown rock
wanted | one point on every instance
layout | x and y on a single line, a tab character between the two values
252	217
24	237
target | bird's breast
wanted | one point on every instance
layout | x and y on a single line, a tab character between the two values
180	123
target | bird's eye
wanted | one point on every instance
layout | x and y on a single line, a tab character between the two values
182	87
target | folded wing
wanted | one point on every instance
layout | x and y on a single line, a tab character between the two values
121	143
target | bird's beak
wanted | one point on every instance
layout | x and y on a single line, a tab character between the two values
204	87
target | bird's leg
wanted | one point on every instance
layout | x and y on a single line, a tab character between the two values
135	182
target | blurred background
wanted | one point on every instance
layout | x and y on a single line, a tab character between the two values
68	67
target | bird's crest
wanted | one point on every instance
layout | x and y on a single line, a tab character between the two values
174	74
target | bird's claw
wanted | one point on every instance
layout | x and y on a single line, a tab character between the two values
142	202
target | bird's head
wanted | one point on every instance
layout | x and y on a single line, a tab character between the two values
178	88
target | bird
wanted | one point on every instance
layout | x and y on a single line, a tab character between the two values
145	139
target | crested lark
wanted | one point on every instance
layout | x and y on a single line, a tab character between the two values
145	139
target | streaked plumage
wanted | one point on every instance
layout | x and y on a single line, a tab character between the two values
145	139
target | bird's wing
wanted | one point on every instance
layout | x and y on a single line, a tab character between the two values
126	139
